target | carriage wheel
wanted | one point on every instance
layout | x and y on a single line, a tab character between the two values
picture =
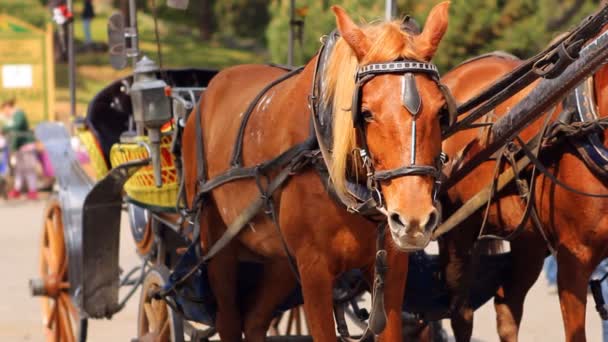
290	323
59	315
156	320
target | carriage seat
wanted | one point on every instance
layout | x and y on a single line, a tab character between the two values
109	112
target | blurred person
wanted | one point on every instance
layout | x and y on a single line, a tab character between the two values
4	166
88	13
550	268
599	272
23	146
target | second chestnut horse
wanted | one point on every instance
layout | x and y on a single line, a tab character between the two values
576	226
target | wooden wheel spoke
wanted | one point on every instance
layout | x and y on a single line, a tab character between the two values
52	316
56	242
45	259
51	260
62	273
65	298
65	322
151	317
161	311
163	334
155	322
59	312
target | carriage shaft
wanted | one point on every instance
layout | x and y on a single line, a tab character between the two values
545	95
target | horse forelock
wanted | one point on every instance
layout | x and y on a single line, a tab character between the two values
389	43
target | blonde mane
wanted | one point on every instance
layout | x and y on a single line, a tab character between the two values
389	44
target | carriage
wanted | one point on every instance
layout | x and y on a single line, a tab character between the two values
144	176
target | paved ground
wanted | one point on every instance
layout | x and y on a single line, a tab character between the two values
20	316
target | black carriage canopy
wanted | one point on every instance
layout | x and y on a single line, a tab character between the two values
109	111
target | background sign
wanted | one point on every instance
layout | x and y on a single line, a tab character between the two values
26	68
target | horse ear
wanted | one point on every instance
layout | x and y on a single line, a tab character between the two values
435	27
352	34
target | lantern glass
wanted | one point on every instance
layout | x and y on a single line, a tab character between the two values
150	104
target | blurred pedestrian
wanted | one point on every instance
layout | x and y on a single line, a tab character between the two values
23	146
599	272
88	13
550	268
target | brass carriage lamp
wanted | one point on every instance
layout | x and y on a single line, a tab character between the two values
151	108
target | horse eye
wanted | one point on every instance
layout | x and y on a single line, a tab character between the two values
367	115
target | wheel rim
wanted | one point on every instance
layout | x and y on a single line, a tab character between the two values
59	315
156	320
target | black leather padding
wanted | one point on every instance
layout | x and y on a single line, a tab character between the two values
410	96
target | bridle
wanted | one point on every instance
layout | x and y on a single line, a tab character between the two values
412	101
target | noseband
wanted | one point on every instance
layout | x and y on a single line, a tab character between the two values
412	101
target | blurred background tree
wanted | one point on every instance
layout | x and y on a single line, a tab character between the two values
30	11
521	27
318	21
242	18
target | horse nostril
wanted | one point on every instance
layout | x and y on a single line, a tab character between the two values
433	221
396	219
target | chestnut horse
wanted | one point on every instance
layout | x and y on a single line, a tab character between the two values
576	225
324	238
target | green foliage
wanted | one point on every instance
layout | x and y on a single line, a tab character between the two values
521	27
242	18
30	11
319	21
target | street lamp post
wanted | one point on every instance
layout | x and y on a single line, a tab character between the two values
290	46
71	62
389	11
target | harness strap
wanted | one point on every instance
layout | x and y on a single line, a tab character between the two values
481	198
272	212
247	215
235	227
538	164
525	190
251	172
451	104
525	74
410	170
237	153
200	148
377	317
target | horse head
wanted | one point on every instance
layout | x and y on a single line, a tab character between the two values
389	111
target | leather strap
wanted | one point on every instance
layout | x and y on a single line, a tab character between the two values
237	153
525	74
234	228
539	165
251	172
410	170
200	149
398	67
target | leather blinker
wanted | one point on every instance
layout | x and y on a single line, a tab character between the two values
410	96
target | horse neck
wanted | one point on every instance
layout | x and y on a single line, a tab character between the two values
300	90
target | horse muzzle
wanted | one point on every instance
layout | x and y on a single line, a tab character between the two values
410	235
